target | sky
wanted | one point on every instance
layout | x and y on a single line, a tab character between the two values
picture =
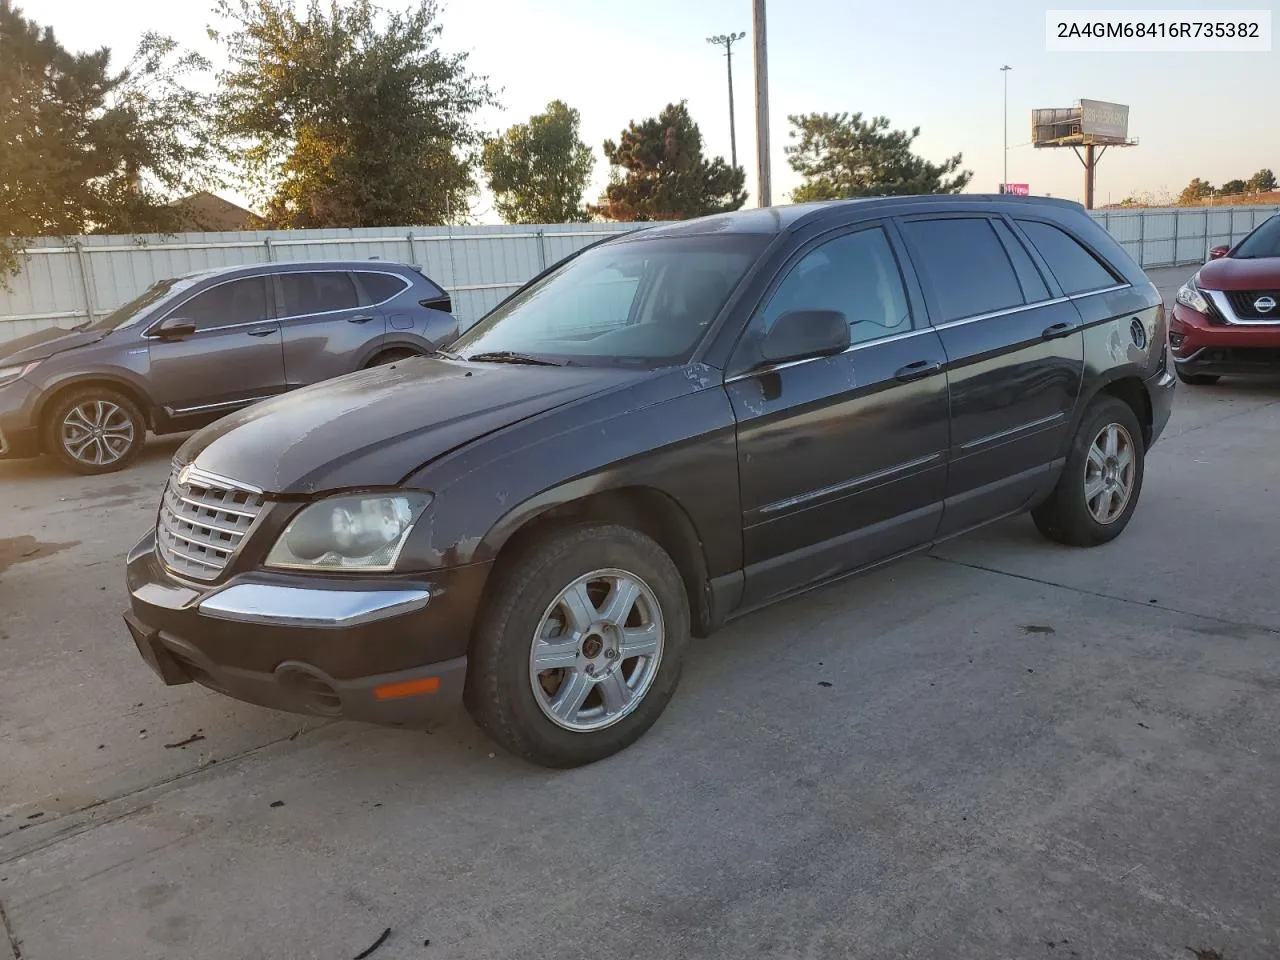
931	64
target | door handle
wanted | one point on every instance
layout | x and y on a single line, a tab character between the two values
1057	330
262	331
358	319
917	370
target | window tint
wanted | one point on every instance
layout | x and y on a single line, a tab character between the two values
965	265
1033	285
381	286
1075	267
317	292
240	301
1263	242
856	274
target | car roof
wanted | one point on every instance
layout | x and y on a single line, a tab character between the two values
295	265
771	220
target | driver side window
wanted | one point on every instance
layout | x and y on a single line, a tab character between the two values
856	274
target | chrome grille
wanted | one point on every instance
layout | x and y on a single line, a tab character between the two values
203	520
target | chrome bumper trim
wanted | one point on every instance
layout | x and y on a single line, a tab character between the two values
275	605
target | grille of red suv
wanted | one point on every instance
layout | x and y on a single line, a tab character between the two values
1242	302
202	522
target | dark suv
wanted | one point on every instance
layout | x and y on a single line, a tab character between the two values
666	431
197	347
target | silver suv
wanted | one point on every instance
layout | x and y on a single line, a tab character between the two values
196	347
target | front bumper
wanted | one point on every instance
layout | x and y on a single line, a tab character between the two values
19	431
391	651
1202	346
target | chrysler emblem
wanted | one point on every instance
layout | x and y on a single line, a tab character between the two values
1264	304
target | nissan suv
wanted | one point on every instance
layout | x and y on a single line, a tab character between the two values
664	432
1226	318
194	348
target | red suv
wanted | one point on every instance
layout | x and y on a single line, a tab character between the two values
1226	319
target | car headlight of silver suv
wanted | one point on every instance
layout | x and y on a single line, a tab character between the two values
9	374
1189	295
363	532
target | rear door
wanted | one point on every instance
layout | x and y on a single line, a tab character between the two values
841	459
1015	361
330	326
233	358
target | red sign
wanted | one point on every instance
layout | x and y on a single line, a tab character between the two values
1018	189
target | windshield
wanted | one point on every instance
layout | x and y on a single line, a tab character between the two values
159	292
1263	242
639	302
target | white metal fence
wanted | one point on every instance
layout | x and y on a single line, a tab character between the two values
64	282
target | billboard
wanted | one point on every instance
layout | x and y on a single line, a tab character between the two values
1108	121
1018	189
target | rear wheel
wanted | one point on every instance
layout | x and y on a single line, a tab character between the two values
579	648
94	430
1098	490
390	356
1198	379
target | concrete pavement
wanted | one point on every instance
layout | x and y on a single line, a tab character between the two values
1003	749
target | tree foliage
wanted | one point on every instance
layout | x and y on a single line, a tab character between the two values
538	171
348	116
84	149
1195	191
1232	187
659	172
842	155
1264	181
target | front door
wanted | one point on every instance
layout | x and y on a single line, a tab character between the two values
841	459
329	327
1015	362
232	359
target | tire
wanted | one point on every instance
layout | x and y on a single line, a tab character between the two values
1197	379
1069	516
70	425
389	356
529	601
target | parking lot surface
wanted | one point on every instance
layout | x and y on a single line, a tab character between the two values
1004	748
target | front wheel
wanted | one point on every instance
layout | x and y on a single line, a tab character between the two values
95	430
1197	379
580	646
1098	490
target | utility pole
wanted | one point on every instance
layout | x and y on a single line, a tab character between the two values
727	40
762	103
1004	184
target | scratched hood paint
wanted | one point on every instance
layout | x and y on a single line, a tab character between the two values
45	343
377	426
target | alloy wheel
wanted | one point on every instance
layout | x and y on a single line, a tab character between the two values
97	432
1108	473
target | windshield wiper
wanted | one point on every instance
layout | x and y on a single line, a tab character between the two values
510	356
447	354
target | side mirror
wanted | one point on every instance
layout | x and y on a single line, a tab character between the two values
175	328
1217	253
800	334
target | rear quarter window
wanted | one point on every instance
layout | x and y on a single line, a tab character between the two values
1075	267
382	286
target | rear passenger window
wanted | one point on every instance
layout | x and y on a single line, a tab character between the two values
1033	285
318	292
1077	270
381	286
965	265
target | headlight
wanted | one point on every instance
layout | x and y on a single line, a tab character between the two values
349	533
1189	295
18	370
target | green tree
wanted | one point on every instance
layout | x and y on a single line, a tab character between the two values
842	155
658	172
348	117
1264	181
1195	191
1231	188
538	171
84	149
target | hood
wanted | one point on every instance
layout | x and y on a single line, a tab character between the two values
1229	274
45	343
375	427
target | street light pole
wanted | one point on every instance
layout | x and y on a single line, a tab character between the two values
762	103
727	40
1004	184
